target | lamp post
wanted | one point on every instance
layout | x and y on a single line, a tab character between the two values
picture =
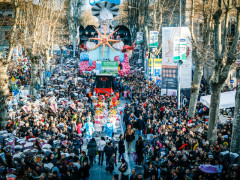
180	61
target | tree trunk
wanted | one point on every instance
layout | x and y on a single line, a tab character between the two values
198	72
4	92
213	114
235	145
74	44
34	76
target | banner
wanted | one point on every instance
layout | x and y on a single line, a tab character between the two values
110	67
169	80
153	42
154	69
157	62
180	49
176	44
139	39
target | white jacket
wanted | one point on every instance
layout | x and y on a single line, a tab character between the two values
101	144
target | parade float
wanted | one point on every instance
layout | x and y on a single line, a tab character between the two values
103	50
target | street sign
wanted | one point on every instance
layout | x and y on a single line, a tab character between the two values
231	81
47	74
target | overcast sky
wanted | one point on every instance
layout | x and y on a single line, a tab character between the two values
87	5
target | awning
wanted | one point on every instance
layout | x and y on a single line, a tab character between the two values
227	100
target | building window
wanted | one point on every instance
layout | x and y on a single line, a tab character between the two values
7	35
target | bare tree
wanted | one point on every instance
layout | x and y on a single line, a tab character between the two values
88	19
74	21
224	57
4	80
202	47
37	26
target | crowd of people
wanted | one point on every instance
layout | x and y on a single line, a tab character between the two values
170	145
163	141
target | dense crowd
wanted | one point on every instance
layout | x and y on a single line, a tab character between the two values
167	143
171	145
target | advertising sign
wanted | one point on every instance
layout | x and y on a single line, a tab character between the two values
139	39
153	42
176	44
169	80
157	62
110	67
154	69
180	49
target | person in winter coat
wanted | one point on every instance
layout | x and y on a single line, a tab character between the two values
79	127
140	125
139	150
101	144
121	147
83	158
148	129
123	169
108	149
110	166
84	171
92	147
129	137
126	118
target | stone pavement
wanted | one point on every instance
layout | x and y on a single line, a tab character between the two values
98	172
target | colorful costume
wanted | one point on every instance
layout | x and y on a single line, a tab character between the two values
108	127
89	128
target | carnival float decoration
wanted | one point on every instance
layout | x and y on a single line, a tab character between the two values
105	47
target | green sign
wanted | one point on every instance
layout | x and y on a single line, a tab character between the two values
153	42
110	67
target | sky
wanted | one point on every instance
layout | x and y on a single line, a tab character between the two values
87	5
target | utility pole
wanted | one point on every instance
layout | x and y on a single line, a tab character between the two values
180	62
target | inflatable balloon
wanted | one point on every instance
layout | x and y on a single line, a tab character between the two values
121	57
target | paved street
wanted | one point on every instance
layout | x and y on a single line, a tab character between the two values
99	172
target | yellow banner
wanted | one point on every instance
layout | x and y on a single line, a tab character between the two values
157	62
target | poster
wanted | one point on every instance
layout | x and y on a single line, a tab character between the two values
169	80
171	38
110	67
139	39
155	68
153	42
180	49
